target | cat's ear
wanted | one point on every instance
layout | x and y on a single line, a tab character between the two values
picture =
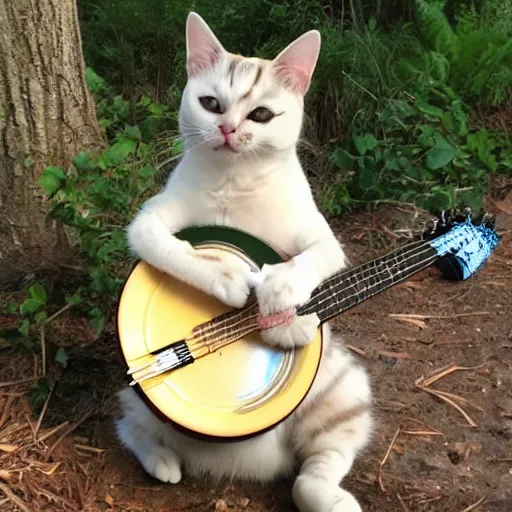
294	66
203	48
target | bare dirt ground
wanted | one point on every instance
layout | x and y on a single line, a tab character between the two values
426	455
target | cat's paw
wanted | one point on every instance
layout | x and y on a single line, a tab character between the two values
231	282
301	331
163	464
282	286
345	502
315	495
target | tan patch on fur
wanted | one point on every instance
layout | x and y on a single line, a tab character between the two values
209	257
320	397
227	275
257	78
337	418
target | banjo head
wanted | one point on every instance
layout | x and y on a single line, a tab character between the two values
240	390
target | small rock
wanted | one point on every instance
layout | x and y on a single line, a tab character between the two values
243	502
221	506
389	361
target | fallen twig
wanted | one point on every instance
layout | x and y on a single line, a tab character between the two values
358	351
68	431
22	381
87	448
381	465
404	506
444	372
43	411
42	334
438	317
448	401
6	411
475	505
12	497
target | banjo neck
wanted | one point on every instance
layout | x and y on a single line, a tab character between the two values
350	287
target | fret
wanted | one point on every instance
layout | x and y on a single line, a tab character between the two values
349	287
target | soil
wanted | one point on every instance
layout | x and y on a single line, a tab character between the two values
443	459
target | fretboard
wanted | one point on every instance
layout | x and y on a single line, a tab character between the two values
348	288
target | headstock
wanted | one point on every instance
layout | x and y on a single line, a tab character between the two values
448	218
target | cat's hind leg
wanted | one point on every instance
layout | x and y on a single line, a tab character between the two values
333	428
147	438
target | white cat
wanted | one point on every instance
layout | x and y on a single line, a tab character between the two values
241	119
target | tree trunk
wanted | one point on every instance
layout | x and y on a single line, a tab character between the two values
46	117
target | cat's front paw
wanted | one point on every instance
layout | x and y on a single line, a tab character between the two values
231	282
299	332
282	287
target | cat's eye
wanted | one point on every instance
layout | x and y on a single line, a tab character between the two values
211	104
261	115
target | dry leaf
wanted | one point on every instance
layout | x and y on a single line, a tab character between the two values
221	506
9	448
109	500
49	468
5	475
398	449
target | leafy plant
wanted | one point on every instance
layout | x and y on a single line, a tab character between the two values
99	194
423	152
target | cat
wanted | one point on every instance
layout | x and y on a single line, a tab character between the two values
240	119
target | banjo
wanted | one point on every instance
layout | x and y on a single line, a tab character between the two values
202	366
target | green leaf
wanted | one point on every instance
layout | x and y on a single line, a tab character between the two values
97	324
118	152
365	143
342	159
447	122
30	306
440	199
74	299
156	109
28	163
40	317
471	198
122	107
133	132
51	180
38	292
367	174
146	172
145	101
428	109
24	327
61	357
392	164
441	154
372	23
11	308
178	147
83	162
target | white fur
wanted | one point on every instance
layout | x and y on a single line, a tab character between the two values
259	187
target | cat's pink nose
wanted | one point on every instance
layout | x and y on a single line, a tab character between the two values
227	128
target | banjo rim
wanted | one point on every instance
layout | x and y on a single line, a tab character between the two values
262	253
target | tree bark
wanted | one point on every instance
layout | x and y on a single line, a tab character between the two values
46	117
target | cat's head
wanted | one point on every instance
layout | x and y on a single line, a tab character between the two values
237	106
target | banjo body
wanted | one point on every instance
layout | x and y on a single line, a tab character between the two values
240	390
